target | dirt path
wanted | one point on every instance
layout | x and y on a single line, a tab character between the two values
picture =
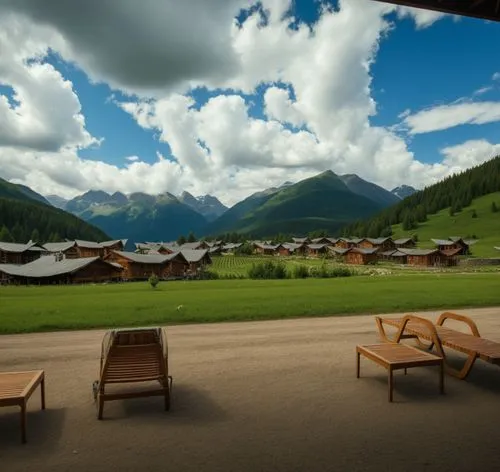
259	396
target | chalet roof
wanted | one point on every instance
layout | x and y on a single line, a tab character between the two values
267	246
418	252
317	246
19	248
112	243
340	250
48	266
300	240
333	240
377	240
401	241
194	255
318	240
363	250
393	253
354	240
59	247
194	245
292	246
451	252
442	242
231	246
215	249
149	258
88	244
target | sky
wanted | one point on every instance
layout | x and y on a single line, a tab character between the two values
230	97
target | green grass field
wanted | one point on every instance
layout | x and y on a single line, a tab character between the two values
27	309
441	225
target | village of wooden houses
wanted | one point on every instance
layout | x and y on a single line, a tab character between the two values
92	262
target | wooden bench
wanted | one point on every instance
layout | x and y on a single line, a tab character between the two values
398	356
16	389
439	336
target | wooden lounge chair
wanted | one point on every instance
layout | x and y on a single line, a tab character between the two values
439	336
130	356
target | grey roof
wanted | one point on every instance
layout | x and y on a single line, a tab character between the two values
194	245
393	253
377	240
112	243
418	252
148	258
363	250
292	246
317	246
88	244
19	248
442	242
194	255
48	266
402	241
340	250
231	246
59	247
333	240
300	240
267	246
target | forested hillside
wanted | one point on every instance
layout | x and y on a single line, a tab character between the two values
455	192
24	216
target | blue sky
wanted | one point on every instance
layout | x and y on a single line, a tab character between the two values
295	111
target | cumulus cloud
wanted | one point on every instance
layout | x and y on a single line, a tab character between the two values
447	116
423	18
44	112
469	153
316	79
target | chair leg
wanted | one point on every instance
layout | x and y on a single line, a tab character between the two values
100	406
42	388
358	364
391	384
23	422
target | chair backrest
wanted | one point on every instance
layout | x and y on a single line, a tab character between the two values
141	350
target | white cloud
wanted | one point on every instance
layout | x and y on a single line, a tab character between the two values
496	76
468	154
447	116
483	90
219	148
45	113
423	18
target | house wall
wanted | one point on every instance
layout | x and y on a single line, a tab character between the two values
359	259
90	252
97	271
18	257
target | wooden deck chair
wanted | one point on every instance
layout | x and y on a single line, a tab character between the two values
438	336
130	356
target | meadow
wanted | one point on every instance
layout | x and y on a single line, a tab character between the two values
50	308
485	227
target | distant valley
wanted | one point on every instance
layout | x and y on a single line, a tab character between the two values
324	202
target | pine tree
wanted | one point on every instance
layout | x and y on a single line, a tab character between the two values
474	214
5	235
35	236
494	208
191	237
17	233
181	240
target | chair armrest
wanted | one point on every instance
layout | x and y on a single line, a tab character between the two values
464	319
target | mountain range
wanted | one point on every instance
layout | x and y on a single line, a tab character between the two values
326	201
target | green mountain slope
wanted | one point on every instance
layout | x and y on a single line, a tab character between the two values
485	227
455	193
23	218
320	202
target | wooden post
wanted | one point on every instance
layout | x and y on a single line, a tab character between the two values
357	363
23	421
391	383
441	377
42	389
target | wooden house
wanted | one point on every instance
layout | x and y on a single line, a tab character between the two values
404	243
291	249
14	253
453	244
429	258
56	269
394	255
197	259
360	256
380	244
316	250
302	240
195	245
346	243
142	266
265	249
322	240
115	245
